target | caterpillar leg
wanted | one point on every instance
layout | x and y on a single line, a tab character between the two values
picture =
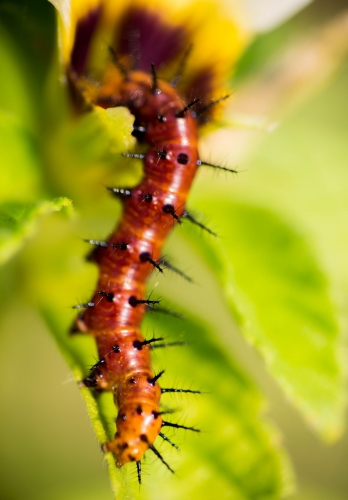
79	326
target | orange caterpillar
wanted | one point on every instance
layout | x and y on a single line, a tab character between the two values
133	250
126	260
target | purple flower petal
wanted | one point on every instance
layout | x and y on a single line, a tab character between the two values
146	37
84	32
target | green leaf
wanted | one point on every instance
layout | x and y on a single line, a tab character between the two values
307	183
18	221
100	134
19	159
238	453
82	153
14	96
281	298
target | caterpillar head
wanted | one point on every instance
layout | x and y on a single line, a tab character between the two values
138	425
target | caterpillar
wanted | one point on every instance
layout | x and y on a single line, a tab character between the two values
168	125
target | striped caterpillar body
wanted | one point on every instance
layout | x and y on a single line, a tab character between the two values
127	259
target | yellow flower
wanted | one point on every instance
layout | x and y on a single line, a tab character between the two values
141	32
213	32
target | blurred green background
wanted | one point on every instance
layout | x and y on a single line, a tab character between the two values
48	450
